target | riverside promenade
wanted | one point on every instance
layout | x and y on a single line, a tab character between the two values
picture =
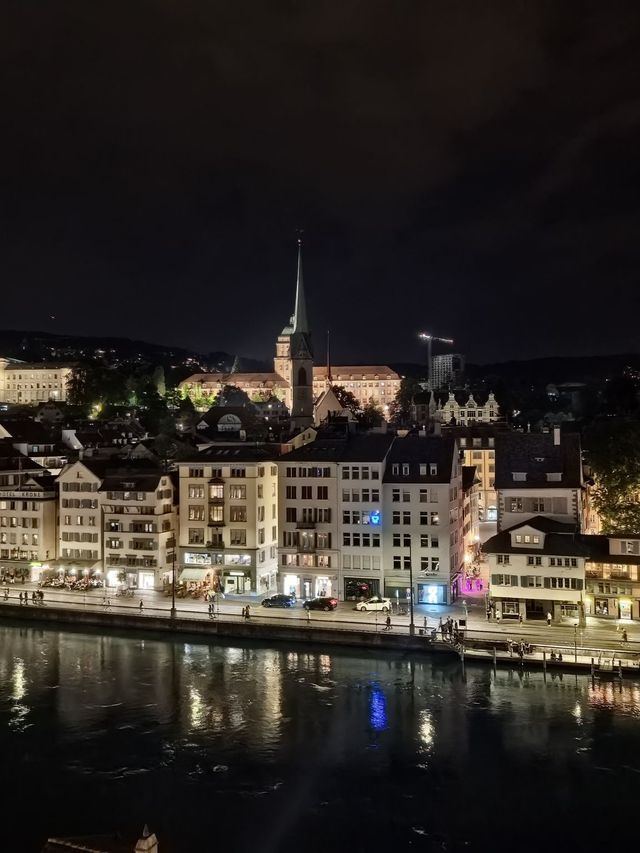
595	648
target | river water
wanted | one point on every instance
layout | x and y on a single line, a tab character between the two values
277	749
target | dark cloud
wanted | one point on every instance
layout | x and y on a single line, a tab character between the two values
470	166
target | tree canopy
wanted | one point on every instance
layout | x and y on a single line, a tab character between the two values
614	454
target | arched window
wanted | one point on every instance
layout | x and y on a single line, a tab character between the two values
302	376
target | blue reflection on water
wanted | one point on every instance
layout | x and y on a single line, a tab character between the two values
377	709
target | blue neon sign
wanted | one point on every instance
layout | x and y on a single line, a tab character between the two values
374	518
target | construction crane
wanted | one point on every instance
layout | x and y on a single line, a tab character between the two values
429	338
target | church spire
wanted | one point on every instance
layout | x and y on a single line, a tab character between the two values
300	322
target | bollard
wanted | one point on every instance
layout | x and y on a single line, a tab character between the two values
544	660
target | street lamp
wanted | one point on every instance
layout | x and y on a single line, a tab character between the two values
412	627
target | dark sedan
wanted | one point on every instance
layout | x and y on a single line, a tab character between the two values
325	604
279	600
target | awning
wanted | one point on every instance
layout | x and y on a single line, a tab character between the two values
194	574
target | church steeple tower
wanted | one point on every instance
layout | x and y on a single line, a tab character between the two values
301	357
300	322
294	357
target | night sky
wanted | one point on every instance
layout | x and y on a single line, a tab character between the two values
466	167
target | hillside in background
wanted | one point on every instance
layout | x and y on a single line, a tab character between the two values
540	371
30	345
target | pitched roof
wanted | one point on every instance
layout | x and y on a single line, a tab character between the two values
599	547
355	371
232	453
343	448
416	450
463	396
536	455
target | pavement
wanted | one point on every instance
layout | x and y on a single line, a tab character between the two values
598	633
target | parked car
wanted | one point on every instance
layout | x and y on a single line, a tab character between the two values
279	600
374	603
325	604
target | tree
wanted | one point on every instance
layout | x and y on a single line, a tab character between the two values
231	395
400	408
614	454
371	415
346	399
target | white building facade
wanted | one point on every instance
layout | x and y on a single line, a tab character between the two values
423	520
229	520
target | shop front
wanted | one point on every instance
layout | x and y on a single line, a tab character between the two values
291	585
611	607
236	574
358	589
432	593
398	591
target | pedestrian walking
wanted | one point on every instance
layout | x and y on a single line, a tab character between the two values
247	613
41	594
244	612
624	636
210	608
549	617
520	618
498	616
387	623
488	613
141	606
6	595
20	597
33	597
425	623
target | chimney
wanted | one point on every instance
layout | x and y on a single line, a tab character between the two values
437	428
556	436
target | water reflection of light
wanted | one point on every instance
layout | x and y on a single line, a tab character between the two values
621	696
19	682
577	712
377	709
196	708
324	664
426	729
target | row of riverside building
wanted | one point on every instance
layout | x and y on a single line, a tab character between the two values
346	515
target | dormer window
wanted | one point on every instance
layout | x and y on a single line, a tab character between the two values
405	469
433	469
519	476
554	477
477	442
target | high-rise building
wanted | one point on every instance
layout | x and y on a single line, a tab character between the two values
447	369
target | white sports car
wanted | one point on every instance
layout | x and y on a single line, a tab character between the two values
374	603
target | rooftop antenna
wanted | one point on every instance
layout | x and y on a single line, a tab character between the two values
329	377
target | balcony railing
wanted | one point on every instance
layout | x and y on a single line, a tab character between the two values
306	525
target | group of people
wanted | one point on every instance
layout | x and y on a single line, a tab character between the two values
520	648
450	631
37	596
246	612
471	582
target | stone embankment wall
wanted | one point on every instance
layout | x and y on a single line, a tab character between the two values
54	617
